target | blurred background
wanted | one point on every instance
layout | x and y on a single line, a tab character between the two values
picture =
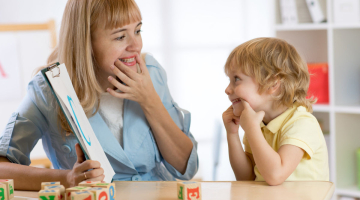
191	40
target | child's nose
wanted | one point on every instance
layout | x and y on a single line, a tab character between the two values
228	90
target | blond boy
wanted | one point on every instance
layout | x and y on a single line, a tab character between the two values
283	140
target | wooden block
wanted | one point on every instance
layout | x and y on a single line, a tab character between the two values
82	195
110	187
43	184
99	193
49	195
61	189
74	189
3	192
88	183
189	190
9	187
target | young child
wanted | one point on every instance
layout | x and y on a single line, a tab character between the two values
283	140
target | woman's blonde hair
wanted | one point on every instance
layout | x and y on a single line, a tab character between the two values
80	19
269	60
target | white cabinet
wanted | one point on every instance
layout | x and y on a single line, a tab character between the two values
339	46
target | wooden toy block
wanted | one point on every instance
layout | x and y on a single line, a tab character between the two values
49	195
82	195
61	189
99	193
110	187
74	189
3	192
88	183
43	184
189	190
9	187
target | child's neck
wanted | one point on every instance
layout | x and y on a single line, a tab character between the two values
272	113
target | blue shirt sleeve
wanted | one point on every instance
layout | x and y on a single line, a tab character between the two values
25	126
182	118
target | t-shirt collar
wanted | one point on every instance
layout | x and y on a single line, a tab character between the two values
275	124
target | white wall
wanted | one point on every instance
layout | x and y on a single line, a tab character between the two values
190	38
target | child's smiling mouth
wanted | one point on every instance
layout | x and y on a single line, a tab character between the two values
235	101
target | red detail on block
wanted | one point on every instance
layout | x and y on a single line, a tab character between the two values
194	191
88	198
69	193
101	195
3	74
319	82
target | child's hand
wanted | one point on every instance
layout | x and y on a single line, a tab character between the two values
249	118
231	121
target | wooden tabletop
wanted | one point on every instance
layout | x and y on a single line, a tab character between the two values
239	190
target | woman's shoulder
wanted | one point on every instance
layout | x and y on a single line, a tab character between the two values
39	91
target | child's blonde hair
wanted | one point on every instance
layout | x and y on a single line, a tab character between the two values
269	60
80	19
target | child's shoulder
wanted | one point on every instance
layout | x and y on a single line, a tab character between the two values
301	119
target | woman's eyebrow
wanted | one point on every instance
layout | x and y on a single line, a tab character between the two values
119	30
124	29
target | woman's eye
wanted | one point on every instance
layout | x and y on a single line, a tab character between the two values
120	38
138	31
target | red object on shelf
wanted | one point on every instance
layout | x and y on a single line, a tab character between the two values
319	82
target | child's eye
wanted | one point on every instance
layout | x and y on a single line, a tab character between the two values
237	79
120	38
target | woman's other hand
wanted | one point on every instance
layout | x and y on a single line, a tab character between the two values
231	121
80	171
138	86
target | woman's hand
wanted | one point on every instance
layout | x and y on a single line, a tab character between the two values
138	86
231	121
80	171
249	118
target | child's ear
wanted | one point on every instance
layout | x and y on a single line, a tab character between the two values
274	88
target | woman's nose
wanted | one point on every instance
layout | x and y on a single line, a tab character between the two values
135	44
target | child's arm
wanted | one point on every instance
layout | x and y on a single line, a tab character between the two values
241	163
274	166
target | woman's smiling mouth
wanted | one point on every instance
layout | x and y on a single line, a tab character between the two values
130	61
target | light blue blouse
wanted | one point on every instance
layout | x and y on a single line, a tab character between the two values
140	158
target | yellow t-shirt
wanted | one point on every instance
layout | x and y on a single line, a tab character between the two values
300	128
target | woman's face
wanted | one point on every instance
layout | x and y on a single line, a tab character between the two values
121	44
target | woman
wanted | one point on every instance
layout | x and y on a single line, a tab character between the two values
141	129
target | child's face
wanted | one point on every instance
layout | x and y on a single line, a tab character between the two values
121	44
243	87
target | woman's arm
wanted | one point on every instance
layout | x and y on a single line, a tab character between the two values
30	178
173	144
